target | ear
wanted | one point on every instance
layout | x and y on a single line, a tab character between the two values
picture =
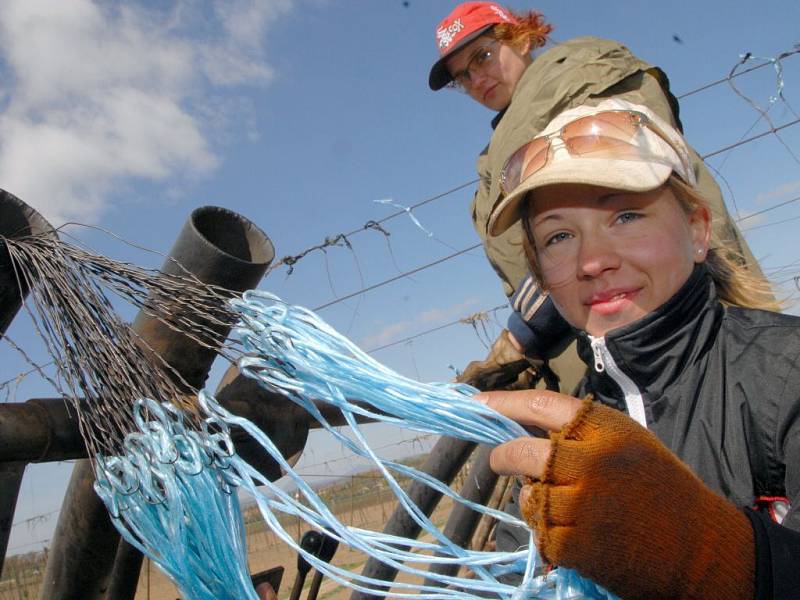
700	226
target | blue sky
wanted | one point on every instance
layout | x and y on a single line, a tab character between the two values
300	114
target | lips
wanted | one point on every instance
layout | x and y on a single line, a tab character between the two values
611	301
489	93
607	295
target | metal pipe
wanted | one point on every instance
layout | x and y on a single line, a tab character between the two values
221	248
17	219
218	247
40	430
444	461
502	494
462	521
84	544
46	429
124	577
10	481
285	422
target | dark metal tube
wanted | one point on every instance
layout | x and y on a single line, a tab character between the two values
17	219
462	521
282	420
40	430
10	481
444	461
84	544
46	429
220	248
125	575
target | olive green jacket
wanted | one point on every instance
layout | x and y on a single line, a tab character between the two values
580	71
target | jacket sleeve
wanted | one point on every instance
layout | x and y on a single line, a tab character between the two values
481	193
504	252
778	546
777	553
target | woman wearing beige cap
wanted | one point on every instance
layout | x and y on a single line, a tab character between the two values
678	475
493	55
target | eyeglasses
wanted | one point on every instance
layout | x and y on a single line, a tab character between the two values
484	58
607	134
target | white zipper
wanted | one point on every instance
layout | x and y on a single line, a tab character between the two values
603	361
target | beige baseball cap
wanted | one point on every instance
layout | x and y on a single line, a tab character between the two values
641	163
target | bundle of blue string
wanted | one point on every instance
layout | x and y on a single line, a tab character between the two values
173	494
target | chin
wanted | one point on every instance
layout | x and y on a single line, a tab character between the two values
608	325
497	105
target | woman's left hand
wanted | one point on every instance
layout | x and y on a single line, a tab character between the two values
608	499
542	409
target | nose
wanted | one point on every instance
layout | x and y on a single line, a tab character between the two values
478	79
596	255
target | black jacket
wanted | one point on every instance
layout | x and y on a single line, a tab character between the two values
719	386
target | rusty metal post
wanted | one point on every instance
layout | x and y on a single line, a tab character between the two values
289	432
462	521
46	429
17	219
219	247
40	430
10	481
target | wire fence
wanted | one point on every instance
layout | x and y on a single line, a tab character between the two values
342	239
736	72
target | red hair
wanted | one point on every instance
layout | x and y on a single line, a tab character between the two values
530	27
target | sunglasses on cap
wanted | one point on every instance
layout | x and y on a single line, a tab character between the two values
606	134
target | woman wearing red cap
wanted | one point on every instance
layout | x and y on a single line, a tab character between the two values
488	52
678	475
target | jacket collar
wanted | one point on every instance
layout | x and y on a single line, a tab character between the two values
498	117
655	350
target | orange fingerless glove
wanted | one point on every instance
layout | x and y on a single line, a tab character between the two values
618	507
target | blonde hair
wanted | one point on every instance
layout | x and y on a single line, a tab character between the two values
530	27
736	284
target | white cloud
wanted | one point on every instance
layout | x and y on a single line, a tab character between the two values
96	94
785	189
434	316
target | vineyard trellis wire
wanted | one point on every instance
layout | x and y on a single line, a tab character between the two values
377	225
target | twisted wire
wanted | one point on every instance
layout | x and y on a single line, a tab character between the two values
98	357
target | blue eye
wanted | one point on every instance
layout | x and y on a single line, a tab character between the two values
627	217
558	237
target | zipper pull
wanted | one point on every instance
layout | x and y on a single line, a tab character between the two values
597	345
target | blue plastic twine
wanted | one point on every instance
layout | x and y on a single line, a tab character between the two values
172	494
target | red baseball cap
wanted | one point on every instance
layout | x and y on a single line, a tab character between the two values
467	21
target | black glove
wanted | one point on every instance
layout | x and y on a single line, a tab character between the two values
536	324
